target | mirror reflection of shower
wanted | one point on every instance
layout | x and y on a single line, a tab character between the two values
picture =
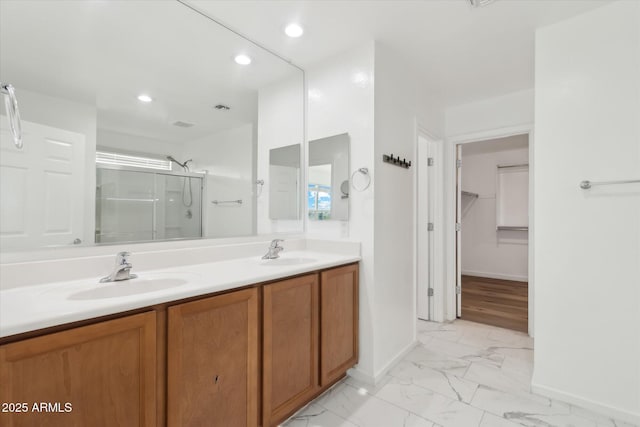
187	197
184	166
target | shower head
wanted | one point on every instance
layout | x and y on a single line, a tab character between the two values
182	165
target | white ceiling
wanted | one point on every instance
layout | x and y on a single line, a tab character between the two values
107	52
463	53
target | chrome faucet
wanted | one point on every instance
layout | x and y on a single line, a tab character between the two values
274	249
122	269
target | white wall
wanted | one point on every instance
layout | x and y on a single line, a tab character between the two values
513	109
73	116
587	252
487	252
395	133
227	156
340	100
280	123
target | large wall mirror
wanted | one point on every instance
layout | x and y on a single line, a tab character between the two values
328	179
141	122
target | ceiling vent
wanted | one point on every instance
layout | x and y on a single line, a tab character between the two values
182	124
480	3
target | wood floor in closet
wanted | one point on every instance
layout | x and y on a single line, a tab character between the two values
496	302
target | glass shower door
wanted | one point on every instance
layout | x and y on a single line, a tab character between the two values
134	206
180	207
125	206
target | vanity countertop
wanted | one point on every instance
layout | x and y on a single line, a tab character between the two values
30	308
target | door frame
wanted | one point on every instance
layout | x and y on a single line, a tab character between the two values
452	275
437	302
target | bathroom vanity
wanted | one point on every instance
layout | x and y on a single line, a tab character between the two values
124	151
247	355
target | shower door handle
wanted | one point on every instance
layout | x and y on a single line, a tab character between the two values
13	113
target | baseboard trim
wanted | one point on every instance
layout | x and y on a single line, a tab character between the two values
394	361
606	410
361	376
377	378
500	276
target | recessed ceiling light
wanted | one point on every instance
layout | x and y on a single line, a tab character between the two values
294	30
144	98
242	60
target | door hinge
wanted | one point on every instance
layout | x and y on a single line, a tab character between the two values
458	226
430	226
458	163
458	290
430	161
430	292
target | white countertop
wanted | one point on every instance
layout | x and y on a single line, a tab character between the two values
29	308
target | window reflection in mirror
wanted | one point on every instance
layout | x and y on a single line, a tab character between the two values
80	70
319	192
328	183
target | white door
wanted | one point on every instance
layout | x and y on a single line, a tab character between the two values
425	227
41	187
283	196
458	231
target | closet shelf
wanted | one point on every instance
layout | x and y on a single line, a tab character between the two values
513	228
470	194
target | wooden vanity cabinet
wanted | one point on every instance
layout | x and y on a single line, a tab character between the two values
246	358
213	354
98	375
310	338
290	346
338	322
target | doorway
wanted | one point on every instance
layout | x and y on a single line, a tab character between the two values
492	231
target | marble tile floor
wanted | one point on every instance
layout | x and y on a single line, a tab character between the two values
462	374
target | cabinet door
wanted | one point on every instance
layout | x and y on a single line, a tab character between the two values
96	375
290	346
213	361
338	322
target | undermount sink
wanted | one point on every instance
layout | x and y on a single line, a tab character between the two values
145	283
286	261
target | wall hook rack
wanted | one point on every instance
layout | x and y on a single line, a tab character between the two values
403	163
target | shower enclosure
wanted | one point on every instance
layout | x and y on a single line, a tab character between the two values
134	205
